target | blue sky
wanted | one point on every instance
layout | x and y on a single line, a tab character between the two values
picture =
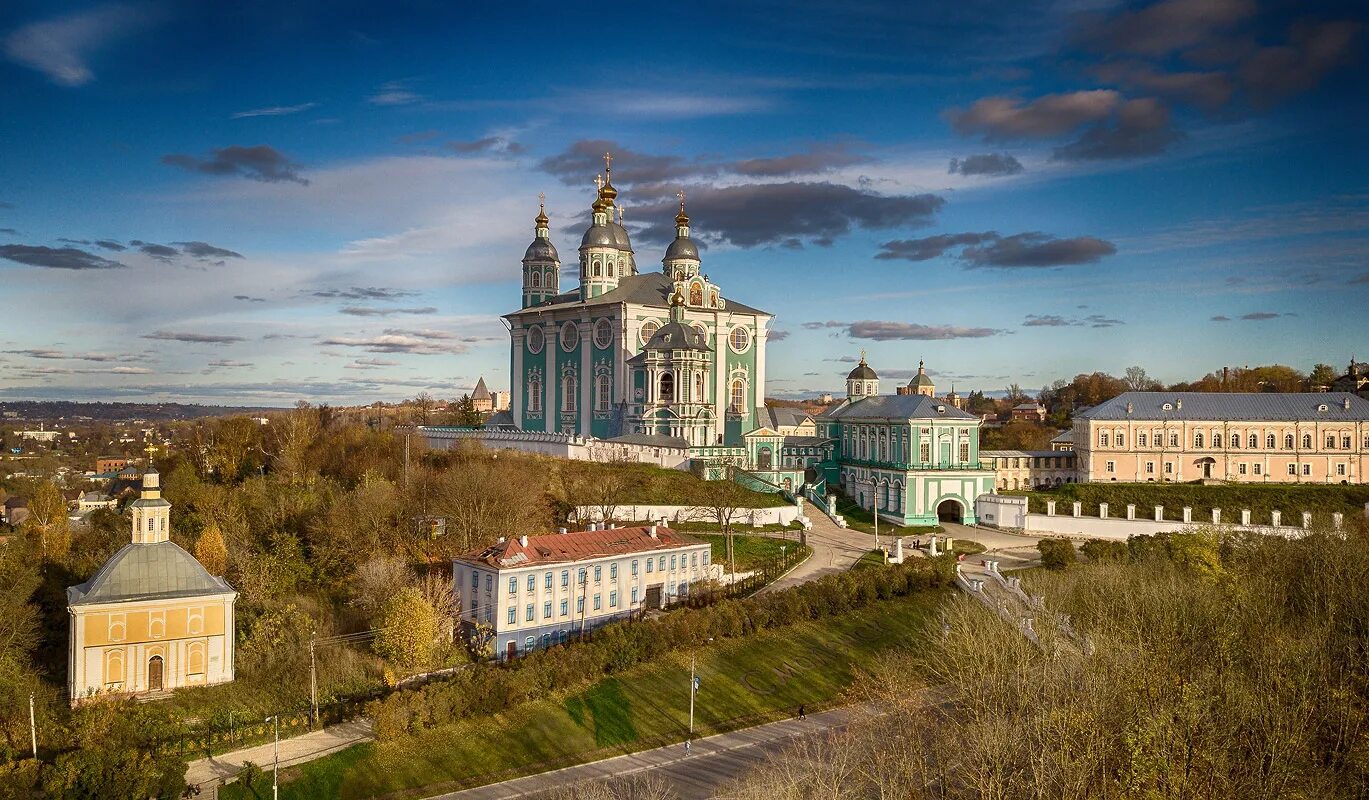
242	204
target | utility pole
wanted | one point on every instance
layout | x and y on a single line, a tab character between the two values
406	459
693	688
274	719
313	682
33	728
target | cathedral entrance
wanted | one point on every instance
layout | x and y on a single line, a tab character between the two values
154	674
950	511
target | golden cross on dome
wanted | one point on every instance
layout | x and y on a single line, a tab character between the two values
620	214
608	162
150	449
598	182
681	195
542	201
862	355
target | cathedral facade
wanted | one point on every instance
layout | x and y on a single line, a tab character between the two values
660	353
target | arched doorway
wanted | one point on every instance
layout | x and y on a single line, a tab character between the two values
1206	465
950	511
154	674
765	461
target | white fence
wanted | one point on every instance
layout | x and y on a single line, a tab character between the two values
558	445
1010	513
775	515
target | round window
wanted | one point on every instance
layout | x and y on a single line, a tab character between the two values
570	335
649	329
536	339
603	333
739	339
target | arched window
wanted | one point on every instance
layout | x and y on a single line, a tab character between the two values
602	393
1269	441
537	280
696	294
598	268
1307	441
1217	440
568	387
667	387
737	403
1288	441
194	659
698	387
1198	439
114	668
534	395
1253	440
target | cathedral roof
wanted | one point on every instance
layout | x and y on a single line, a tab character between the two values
541	250
862	372
896	407
677	336
651	289
620	237
681	247
148	572
598	236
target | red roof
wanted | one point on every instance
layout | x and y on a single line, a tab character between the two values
558	548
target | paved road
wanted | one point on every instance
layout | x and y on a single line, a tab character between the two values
215	771
711	763
834	550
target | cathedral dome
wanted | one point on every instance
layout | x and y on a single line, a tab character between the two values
599	236
620	237
540	250
862	372
682	247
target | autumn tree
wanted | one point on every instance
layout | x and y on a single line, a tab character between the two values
47	523
725	502
407	629
210	550
1137	380
1321	377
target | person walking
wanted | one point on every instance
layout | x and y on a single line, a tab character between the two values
802	715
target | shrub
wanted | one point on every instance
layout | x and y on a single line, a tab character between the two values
1056	553
1104	550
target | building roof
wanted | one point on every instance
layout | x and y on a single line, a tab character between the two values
896	407
681	247
1026	454
862	372
1029	406
501	419
678	336
578	546
148	572
644	289
651	440
805	441
481	392
1204	406
1064	437
784	416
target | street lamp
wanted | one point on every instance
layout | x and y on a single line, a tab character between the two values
693	690
274	719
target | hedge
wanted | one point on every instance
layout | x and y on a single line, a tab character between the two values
488	689
1290	498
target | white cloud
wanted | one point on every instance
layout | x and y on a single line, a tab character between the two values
60	47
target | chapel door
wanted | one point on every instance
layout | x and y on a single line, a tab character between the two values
154	674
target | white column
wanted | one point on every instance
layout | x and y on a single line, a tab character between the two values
720	381
586	386
759	378
551	409
516	382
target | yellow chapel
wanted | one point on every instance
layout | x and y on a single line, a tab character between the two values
152	619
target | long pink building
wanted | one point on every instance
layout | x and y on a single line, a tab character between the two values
1253	438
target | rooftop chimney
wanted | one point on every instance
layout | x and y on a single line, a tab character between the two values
501	540
523	540
652	532
1179	404
561	531
1345	401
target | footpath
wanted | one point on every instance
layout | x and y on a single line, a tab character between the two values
834	550
207	774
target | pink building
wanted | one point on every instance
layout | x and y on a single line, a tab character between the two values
1251	438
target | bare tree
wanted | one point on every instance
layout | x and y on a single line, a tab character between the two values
1137	380
723	501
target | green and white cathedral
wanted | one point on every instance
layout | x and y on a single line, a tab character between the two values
628	352
663	358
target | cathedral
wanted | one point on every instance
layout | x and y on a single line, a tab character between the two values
662	357
633	352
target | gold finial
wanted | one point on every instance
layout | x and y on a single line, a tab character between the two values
598	183
542	210
608	162
150	449
681	195
681	218
862	355
621	214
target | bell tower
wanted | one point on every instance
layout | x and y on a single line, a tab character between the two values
541	264
151	513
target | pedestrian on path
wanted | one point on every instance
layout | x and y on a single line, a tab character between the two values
686	747
802	716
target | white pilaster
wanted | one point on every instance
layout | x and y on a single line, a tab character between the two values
517	385
552	384
586	385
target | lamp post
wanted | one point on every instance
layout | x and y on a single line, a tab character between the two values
874	506
274	719
693	689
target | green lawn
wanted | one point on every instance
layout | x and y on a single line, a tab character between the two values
871	560
650	485
751	551
860	519
744	682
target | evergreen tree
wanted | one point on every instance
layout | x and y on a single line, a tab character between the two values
465	415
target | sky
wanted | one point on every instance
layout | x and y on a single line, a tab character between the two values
245	203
